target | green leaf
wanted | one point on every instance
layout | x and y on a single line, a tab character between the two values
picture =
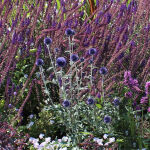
99	106
33	50
58	4
119	140
87	133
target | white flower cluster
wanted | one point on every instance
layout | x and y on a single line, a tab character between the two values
105	141
47	144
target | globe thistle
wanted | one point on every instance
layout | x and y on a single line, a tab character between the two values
39	62
92	51
66	103
107	119
90	101
103	70
69	32
91	61
61	61
82	59
56	50
74	57
47	41
116	102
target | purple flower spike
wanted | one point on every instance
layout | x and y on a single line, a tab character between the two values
39	62
103	71
147	88
144	100
92	51
61	61
90	101
107	119
66	103
47	41
74	57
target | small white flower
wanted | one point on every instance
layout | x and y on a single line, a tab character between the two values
99	141
47	139
52	121
106	144
65	148
41	136
31	116
30	124
65	139
59	140
105	136
31	139
43	144
95	139
36	145
111	140
35	141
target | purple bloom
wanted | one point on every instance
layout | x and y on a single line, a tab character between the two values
92	51
98	95
91	61
103	71
144	100
128	94
107	119
56	50
66	103
90	101
47	41
147	88
148	110
39	62
15	93
69	32
74	57
116	102
61	61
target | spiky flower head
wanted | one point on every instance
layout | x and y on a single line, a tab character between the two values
74	57
90	101
116	101
47	41
66	103
103	70
107	119
39	62
92	51
82	59
61	61
69	32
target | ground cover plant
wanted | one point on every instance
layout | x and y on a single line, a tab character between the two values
75	74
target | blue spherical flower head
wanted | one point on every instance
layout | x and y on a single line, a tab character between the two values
69	32
92	51
116	102
74	57
47	41
66	103
61	61
90	101
82	59
39	62
103	71
107	119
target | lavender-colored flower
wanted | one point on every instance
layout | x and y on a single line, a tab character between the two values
39	62
90	101
148	110
92	51
69	32
61	61
116	102
107	119
144	100
74	57
10	106
103	70
147	88
66	103
98	95
128	94
15	93
47	41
